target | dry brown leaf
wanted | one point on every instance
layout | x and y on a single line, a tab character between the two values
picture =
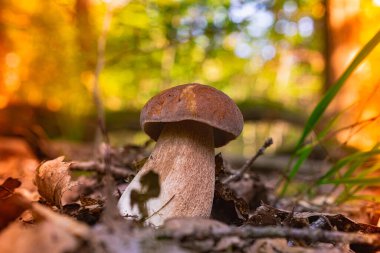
53	179
40	238
42	213
228	207
12	205
188	225
278	245
266	215
52	232
17	161
228	242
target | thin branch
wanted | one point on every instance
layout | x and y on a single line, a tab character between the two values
101	168
159	210
110	206
359	124
313	235
248	164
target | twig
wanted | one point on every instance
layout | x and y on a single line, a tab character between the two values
98	69
101	168
162	207
268	142
111	212
313	235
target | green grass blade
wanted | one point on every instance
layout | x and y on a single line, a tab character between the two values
356	181
360	161
326	100
331	93
303	156
369	171
304	152
345	161
354	165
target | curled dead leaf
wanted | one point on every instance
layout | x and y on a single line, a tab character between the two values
53	179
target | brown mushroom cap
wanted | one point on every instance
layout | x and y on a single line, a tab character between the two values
194	102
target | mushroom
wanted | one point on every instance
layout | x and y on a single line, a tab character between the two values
187	121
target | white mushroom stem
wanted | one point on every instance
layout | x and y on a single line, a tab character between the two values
184	160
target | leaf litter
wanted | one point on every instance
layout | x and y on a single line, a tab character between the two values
12	204
91	222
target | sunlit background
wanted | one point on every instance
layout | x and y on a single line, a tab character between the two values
274	58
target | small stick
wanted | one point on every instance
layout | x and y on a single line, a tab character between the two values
268	142
101	46
313	235
162	207
101	168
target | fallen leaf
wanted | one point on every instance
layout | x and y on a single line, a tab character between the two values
185	227
43	213
12	205
182	226
51	232
53	179
281	245
89	210
227	207
251	189
121	237
40	238
220	169
7	188
17	161
266	215
227	243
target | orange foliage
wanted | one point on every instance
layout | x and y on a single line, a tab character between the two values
351	24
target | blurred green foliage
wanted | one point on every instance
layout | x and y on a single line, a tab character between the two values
260	52
249	49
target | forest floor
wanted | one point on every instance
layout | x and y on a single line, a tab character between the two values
55	204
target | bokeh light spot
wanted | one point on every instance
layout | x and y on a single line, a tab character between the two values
306	26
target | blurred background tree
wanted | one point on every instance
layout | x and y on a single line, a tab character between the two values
350	25
274	58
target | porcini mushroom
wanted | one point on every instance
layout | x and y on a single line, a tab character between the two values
187	121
